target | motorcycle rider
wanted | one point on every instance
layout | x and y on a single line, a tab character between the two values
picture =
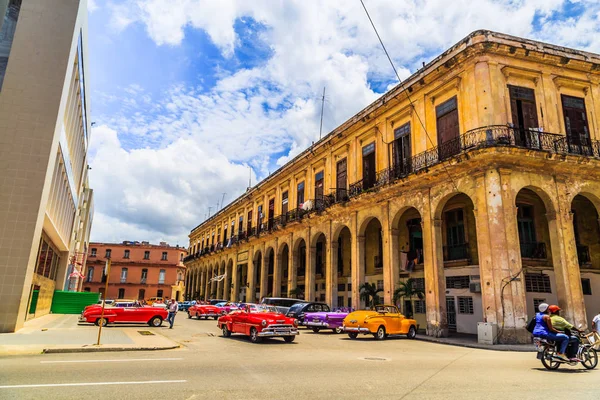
564	326
544	329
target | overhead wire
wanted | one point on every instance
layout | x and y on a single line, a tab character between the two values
406	91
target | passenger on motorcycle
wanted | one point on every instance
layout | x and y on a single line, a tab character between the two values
564	326
544	329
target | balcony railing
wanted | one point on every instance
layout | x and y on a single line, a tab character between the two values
295	215
123	280
339	195
583	255
534	251
490	136
456	252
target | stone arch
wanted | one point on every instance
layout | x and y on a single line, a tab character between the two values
341	262
369	267
365	222
282	270
297	285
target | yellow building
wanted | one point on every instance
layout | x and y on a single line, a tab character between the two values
46	203
478	177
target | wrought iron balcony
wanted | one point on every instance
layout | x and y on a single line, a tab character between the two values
456	252
339	195
583	255
534	250
295	215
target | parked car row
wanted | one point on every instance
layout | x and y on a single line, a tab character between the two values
274	317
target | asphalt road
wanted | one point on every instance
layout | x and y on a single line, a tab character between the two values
315	366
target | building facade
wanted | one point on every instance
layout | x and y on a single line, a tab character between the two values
139	270
46	202
478	177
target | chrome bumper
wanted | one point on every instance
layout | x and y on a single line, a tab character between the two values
356	329
319	324
209	315
278	330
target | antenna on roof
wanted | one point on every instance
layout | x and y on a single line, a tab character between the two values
249	178
322	107
223	199
209	208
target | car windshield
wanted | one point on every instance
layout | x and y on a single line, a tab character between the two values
296	307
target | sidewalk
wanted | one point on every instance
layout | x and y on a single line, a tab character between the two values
471	341
60	333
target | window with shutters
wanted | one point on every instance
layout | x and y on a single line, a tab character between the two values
146	255
164	256
249	223
241	225
465	305
447	128
300	195
126	254
420	307
271	213
537	302
107	253
90	274
284	203
455	227
94	251
524	116
586	286
369	173
576	125
341	180
123	275
161	276
401	150
121	293
319	185
259	223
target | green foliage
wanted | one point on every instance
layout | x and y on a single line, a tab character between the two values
369	293
408	290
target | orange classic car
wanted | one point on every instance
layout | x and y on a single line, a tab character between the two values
381	322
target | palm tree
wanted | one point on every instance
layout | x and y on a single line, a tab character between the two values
408	290
368	293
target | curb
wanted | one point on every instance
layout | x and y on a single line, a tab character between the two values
105	349
479	346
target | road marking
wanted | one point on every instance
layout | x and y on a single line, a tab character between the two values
117	360
87	384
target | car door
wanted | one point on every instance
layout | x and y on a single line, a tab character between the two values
393	317
238	322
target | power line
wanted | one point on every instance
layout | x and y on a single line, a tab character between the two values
406	91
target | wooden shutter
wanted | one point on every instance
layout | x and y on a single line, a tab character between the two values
284	203
576	124
319	185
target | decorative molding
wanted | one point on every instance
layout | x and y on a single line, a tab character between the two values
453	83
528	74
572	83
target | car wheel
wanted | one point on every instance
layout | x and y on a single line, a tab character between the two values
380	335
102	321
353	335
254	338
289	339
155	321
215	318
412	332
189	315
338	330
316	330
226	332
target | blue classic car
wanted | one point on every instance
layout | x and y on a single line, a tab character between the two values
184	305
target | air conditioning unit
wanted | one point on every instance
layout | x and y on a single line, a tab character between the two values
475	287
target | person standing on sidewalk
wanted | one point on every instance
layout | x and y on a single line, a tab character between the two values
172	311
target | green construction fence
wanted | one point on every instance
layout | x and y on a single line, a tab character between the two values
72	302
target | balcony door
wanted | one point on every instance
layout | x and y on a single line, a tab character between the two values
526	228
401	150
369	172
456	247
284	206
447	128
576	125
524	116
319	186
271	213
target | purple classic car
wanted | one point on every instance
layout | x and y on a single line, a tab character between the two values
326	320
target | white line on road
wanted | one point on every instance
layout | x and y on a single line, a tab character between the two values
117	360
87	384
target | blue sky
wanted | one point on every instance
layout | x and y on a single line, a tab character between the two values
190	97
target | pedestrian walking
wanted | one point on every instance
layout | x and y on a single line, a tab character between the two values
173	307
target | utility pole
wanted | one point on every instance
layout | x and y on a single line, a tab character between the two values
322	108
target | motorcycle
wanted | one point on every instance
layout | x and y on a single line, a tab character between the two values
586	354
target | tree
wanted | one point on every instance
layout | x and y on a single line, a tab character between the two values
368	293
408	290
297	293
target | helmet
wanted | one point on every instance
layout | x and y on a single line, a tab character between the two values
543	307
553	308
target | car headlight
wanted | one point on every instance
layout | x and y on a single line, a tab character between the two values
264	323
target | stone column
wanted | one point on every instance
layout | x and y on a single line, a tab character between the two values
568	275
277	273
264	273
292	270
433	259
227	283
388	278
358	270
250	289
497	271
309	277
394	260
220	283
234	278
331	277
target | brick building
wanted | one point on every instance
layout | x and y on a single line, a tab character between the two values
139	270
478	177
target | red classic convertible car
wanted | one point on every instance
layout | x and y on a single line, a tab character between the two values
152	316
258	323
204	311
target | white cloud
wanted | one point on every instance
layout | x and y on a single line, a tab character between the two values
92	5
198	143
